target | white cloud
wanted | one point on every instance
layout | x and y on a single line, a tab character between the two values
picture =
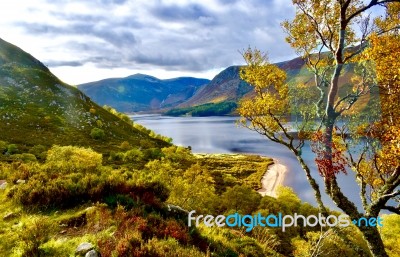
88	40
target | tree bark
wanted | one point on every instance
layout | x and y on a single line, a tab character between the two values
374	241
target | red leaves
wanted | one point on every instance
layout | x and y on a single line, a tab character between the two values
329	158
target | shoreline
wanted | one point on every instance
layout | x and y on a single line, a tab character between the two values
273	178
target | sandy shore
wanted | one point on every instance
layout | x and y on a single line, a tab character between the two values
273	178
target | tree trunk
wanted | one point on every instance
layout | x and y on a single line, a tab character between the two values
374	241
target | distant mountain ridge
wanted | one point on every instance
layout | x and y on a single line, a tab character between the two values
228	87
142	92
182	96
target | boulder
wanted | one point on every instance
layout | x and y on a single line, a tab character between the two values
92	253
83	248
3	184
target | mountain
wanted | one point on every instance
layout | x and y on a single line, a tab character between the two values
38	108
228	87
141	92
197	97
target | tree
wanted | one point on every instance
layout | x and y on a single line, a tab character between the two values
241	199
332	37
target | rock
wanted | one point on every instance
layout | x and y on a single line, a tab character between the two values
83	248
92	253
90	208
10	215
21	181
3	184
176	209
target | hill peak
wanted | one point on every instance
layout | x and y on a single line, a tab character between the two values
142	76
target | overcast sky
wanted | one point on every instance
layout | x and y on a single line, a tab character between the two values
82	41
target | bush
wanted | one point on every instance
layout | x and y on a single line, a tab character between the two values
97	133
73	176
152	154
39	151
116	156
33	235
241	199
3	147
134	155
25	157
72	158
12	149
125	145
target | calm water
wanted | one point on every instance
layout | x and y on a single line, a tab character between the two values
222	135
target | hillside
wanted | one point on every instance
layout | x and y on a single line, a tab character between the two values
142	92
226	88
36	108
227	85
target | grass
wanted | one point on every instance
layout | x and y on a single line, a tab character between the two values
229	170
36	108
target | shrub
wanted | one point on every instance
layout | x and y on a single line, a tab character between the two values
25	157
33	235
3	147
49	187
114	200
241	199
72	158
134	155
99	123
116	156
152	154
97	133
39	151
12	149
125	146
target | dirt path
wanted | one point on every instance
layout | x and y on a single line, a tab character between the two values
273	178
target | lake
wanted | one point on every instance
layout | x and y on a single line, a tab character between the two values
222	135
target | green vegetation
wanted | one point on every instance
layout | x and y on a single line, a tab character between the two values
36	108
210	109
137	126
73	172
97	133
229	170
136	207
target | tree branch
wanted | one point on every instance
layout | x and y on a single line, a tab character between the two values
363	9
392	209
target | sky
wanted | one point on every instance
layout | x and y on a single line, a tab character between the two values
84	41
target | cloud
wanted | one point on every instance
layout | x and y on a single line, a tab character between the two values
190	12
64	63
184	35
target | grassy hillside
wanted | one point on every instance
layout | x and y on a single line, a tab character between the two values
36	108
224	87
210	109
73	198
